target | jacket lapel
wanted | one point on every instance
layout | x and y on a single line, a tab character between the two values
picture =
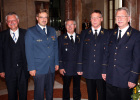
126	36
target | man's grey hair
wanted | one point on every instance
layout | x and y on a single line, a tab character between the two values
123	8
11	13
70	20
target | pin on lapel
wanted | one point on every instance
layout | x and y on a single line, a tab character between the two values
128	34
102	32
65	37
89	32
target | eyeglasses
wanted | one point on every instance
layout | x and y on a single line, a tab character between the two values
121	17
43	17
9	21
96	18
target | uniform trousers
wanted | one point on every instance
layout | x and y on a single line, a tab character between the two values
17	84
116	93
92	85
76	87
41	82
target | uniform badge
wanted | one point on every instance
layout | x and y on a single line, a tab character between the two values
78	38
89	32
53	37
39	40
65	43
65	37
102	32
115	33
128	34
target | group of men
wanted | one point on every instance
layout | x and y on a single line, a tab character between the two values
109	60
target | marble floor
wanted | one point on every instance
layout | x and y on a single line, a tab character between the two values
57	95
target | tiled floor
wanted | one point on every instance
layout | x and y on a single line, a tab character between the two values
58	85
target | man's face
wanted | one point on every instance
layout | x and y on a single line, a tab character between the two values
122	19
96	20
70	26
42	19
12	22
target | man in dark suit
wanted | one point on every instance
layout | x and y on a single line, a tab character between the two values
90	58
13	65
68	46
122	58
41	47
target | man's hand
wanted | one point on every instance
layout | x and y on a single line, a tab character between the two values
62	71
104	77
32	73
80	73
56	67
2	74
131	85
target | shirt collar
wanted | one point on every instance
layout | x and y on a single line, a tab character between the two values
74	35
123	30
98	30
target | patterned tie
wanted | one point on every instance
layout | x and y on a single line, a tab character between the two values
72	39
14	37
119	35
95	34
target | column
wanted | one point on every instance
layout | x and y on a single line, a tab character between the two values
68	9
78	15
132	6
138	15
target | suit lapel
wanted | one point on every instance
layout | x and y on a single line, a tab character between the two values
77	39
101	34
126	36
40	30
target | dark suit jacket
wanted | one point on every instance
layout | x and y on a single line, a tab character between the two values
122	61
7	59
91	53
41	49
68	54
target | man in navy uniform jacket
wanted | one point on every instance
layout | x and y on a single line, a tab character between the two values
122	58
90	57
42	56
68	46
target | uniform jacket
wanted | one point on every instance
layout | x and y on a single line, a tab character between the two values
90	55
122	59
8	64
68	54
41	49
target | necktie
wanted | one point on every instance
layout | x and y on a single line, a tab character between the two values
119	38
44	30
95	34
14	37
72	39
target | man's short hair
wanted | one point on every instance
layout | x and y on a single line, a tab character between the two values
11	13
97	11
70	20
42	11
123	8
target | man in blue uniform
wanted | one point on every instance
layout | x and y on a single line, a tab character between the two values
68	46
90	57
42	56
122	58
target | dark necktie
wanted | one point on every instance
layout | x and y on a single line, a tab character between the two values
119	38
72	41
44	30
95	34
